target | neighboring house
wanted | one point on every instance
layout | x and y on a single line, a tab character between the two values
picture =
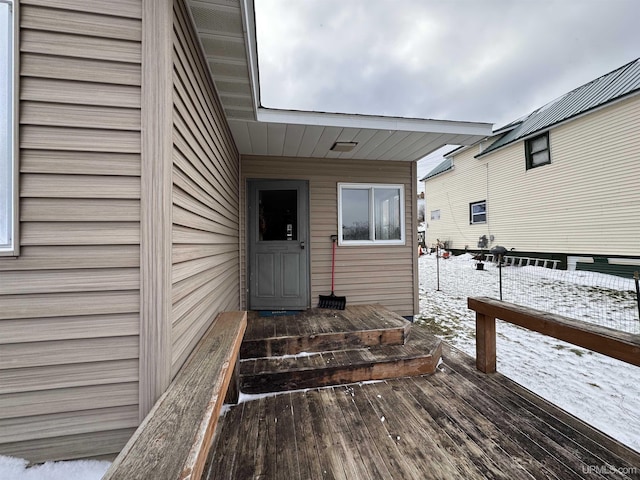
145	190
562	182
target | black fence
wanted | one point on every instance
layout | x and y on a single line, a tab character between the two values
593	297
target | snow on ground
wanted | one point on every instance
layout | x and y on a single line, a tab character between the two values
12	468
601	391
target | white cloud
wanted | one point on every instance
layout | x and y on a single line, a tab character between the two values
490	61
465	59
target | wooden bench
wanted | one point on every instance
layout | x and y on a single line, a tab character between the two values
173	441
608	341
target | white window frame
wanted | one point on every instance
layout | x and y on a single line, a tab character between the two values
471	214
10	188
372	214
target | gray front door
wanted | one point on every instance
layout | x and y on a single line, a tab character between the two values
278	245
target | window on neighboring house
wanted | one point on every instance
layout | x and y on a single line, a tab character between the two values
537	151
435	214
370	214
478	212
7	166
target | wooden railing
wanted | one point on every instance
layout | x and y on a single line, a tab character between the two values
613	343
173	441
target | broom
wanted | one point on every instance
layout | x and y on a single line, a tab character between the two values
332	301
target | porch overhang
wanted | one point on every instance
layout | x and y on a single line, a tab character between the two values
227	33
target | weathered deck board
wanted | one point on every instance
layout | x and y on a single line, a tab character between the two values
516	425
230	444
354	465
287	457
320	329
368	451
332	456
464	444
309	463
390	452
457	423
444	459
236	464
576	439
418	356
271	443
463	419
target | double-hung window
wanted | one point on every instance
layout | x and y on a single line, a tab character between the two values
370	214
8	172
478	212
537	151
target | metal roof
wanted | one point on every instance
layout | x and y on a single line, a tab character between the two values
444	166
607	88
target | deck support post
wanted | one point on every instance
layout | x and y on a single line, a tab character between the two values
485	343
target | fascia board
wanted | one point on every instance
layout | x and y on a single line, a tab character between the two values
251	45
372	122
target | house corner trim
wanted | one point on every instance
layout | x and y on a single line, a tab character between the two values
156	217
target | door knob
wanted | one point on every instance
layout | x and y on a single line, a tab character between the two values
302	245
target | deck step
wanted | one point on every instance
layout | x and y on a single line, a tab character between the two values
320	330
418	356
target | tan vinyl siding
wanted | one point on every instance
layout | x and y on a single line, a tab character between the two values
69	303
82	445
75	424
584	202
205	273
364	274
66	376
70	323
451	193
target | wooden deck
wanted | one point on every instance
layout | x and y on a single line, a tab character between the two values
456	423
418	355
360	343
319	329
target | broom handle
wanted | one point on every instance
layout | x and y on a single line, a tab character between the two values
333	263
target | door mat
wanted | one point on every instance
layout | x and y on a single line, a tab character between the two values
277	313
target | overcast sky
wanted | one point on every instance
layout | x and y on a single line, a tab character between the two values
474	60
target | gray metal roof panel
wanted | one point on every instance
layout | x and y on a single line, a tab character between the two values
442	167
609	87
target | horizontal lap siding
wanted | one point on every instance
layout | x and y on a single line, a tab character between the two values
378	274
205	274
584	202
451	193
69	316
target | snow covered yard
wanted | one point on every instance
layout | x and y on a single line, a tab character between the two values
599	390
16	469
